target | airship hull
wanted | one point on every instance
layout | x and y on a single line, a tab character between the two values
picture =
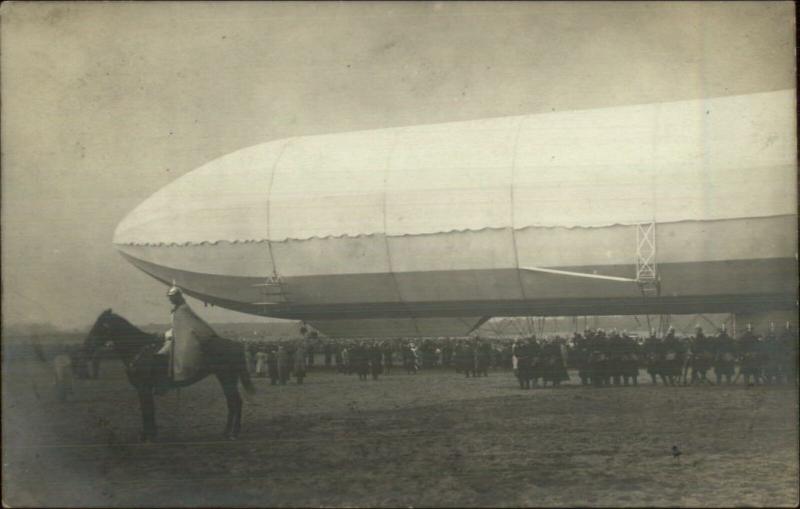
759	279
452	220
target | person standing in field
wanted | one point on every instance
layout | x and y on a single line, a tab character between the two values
300	356
770	347
261	363
724	356
749	354
376	361
388	360
272	365
62	365
283	364
788	348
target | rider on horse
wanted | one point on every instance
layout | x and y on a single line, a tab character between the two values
701	357
184	342
671	356
750	352
724	356
650	350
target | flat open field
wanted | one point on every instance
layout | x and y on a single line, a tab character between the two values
431	439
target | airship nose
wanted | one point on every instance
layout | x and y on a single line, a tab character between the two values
224	200
221	203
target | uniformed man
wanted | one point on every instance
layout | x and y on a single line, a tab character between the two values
749	355
650	351
580	354
537	361
272	365
630	360
261	363
346	366
362	360
483	357
375	361
671	357
616	349
282	359
701	356
300	358
770	356
788	348
724	356
514	359
553	367
388	357
185	341
524	354
599	359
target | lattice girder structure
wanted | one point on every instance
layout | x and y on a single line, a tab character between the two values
646	268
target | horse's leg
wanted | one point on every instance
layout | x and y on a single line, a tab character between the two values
237	423
234	402
148	409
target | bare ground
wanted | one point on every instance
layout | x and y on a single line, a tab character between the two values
432	439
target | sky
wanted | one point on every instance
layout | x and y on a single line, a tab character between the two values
105	103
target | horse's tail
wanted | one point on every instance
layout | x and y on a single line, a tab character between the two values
244	374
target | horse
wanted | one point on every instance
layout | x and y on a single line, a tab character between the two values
630	368
700	362
724	364
147	371
670	366
598	362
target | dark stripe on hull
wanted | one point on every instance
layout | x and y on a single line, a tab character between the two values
703	287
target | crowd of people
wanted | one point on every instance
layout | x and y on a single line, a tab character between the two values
600	358
605	358
279	361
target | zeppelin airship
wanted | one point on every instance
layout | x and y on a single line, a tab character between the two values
674	207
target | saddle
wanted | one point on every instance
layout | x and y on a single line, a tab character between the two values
148	364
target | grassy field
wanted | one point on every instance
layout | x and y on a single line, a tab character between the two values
431	439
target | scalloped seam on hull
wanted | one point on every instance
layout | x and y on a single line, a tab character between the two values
463	230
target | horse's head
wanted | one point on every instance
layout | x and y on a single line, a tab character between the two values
102	332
